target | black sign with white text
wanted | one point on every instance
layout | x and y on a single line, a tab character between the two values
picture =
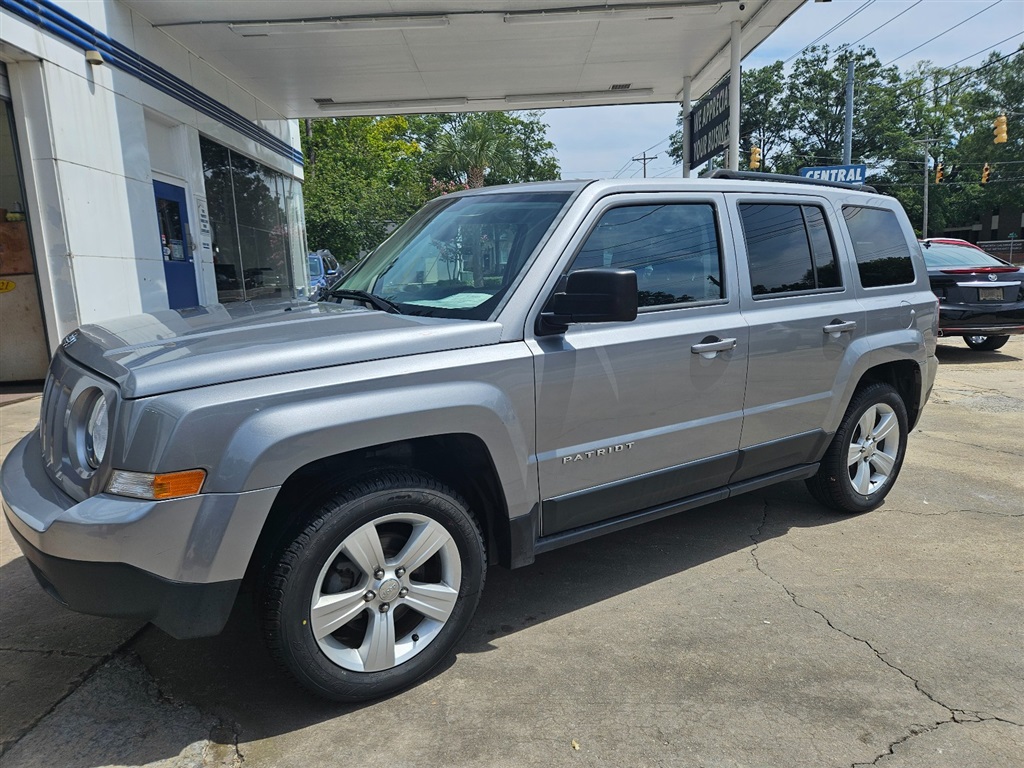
709	125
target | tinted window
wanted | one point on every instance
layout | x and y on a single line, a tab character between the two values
672	248
952	255
883	257
789	248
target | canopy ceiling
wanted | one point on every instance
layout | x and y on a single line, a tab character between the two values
315	58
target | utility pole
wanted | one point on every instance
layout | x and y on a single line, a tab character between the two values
926	143
644	159
848	131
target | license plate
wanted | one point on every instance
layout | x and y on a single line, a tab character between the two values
990	294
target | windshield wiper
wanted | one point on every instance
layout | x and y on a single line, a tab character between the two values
377	302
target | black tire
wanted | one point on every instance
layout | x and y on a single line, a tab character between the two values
326	563
861	485
985	343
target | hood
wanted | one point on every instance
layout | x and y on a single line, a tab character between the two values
172	350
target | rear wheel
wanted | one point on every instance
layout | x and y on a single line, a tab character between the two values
377	589
866	454
985	343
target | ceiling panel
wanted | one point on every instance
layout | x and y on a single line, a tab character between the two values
474	51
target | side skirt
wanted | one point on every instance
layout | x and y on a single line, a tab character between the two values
527	546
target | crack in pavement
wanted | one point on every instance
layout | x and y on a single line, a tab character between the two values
75	684
958	511
956	716
969	445
50	652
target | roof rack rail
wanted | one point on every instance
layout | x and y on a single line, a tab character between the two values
723	173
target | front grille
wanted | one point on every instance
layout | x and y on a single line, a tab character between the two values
56	397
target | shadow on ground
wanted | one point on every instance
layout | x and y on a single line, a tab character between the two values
232	677
963	355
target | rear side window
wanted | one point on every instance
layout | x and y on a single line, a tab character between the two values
883	256
789	249
672	248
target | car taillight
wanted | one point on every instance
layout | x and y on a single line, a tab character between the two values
983	270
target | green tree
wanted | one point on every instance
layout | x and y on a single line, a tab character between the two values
480	148
362	178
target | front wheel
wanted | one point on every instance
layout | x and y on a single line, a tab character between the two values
866	453
377	589
985	343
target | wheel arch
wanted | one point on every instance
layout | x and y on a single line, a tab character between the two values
902	375
461	461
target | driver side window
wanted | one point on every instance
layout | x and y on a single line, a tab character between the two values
673	249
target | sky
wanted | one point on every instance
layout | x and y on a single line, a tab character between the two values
598	142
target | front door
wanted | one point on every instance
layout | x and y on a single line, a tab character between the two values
633	416
176	245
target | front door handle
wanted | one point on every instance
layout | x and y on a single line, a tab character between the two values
838	326
710	346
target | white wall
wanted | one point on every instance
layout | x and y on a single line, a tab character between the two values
93	138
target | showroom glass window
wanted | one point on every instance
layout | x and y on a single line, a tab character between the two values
256	218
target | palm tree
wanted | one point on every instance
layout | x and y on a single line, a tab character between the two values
472	146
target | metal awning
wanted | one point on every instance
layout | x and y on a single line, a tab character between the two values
310	58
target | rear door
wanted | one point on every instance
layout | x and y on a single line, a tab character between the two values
799	302
633	415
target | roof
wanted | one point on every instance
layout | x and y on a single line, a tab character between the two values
315	58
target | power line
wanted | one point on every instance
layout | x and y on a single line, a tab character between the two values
832	29
890	21
947	31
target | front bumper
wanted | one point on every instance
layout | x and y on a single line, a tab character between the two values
177	563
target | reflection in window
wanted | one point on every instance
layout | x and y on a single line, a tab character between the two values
789	248
458	256
883	257
672	248
251	207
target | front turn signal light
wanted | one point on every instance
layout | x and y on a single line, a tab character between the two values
168	485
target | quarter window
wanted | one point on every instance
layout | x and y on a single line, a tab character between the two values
789	249
672	248
883	257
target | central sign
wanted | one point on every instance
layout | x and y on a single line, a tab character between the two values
709	125
851	174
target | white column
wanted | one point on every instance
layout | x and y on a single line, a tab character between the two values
687	137
734	99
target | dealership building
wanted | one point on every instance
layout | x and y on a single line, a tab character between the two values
150	149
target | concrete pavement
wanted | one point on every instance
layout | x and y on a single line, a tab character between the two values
763	631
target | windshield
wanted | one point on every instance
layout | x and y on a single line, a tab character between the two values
457	257
950	255
315	268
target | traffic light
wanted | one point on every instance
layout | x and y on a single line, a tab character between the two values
985	174
999	130
938	173
755	158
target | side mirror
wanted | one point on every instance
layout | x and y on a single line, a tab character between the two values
592	296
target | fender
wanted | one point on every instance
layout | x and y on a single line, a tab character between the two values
254	435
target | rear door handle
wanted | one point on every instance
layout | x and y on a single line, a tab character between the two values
838	326
710	346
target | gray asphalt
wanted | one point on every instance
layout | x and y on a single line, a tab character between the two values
763	631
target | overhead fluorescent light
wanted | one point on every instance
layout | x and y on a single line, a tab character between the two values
531	98
336	24
364	106
654	12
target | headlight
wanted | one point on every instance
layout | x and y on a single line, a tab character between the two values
97	431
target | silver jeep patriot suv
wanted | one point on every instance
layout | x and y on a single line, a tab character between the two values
515	369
